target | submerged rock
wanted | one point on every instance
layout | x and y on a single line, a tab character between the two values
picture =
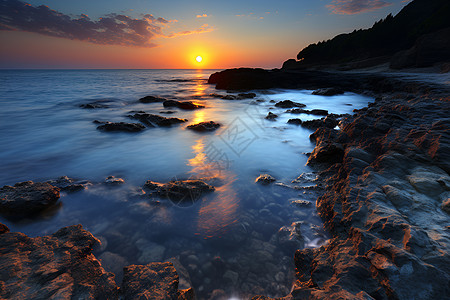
289	104
328	92
155	120
55	266
121	126
271	116
159	279
247	95
93	105
204	126
69	185
152	99
187	105
27	198
265	179
180	190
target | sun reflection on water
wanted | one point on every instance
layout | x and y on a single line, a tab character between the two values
218	212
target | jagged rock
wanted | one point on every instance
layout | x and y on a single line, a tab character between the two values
186	105
69	185
318	112
271	116
152	99
112	180
159	279
265	179
180	190
297	111
121	126
446	205
204	126
289	104
3	228
155	120
27	198
56	266
247	95
328	92
301	203
295	121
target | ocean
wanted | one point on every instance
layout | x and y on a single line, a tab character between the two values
249	230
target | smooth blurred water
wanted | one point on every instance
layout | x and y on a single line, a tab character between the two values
45	134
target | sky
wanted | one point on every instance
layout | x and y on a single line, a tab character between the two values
165	34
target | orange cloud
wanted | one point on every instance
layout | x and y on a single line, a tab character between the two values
202	16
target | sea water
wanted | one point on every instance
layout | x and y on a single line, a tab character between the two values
231	242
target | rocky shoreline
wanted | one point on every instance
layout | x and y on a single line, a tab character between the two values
386	206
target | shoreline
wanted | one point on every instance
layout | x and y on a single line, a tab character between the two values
361	243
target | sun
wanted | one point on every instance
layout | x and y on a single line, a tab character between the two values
199	59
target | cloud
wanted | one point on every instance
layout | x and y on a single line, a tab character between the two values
203	29
113	29
202	16
351	7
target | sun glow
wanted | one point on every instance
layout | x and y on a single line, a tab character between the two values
199	59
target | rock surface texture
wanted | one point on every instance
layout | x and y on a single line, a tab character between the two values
27	198
387	189
62	266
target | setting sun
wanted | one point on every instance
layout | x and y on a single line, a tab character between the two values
199	59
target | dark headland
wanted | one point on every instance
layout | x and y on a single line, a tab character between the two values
385	171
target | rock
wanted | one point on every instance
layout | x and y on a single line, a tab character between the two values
446	205
271	116
297	111
218	295
55	266
150	252
289	104
27	198
241	79
3	228
204	126
186	105
111	180
301	203
159	279
318	112
180	190
294	121
231	278
69	185
328	92
247	95
93	105
312	124
155	120
265	179
290	238
121	126
151	99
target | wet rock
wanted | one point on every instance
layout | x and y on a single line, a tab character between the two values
150	252
69	185
247	95
301	203
3	228
265	179
328	92
318	112
114	181
151	99
204	126
231	278
180	190
218	295
289	104
155	120
159	279
289	238
294	121
93	105
446	205
271	116
27	198
120	126
186	105
55	266
297	111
